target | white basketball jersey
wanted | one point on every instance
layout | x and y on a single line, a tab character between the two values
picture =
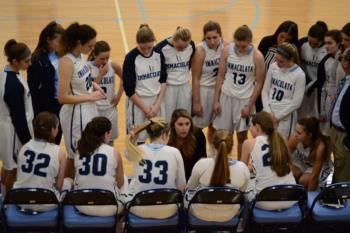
81	82
38	165
283	82
97	170
265	176
240	75
177	62
162	167
310	58
210	66
107	84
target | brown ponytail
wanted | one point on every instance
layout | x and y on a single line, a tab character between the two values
279	154
223	143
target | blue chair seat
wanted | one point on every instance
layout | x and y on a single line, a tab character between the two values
138	222
17	218
74	219
326	214
196	222
291	215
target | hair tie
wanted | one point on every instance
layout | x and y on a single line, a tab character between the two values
284	53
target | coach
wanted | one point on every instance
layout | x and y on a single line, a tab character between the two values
340	121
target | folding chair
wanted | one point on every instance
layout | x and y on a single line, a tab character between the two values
215	196
330	207
154	197
285	219
74	221
17	219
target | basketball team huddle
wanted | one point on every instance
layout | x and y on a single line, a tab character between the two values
289	93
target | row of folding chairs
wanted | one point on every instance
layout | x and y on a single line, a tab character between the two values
310	207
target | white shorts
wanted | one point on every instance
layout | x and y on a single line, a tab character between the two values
178	96
112	114
207	99
326	169
9	144
230	117
74	118
325	126
286	125
136	116
308	107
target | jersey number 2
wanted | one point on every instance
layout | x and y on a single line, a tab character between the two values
266	159
29	167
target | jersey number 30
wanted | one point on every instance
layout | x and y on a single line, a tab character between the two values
99	165
162	179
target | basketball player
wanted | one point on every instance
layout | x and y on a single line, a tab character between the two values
178	51
16	109
41	163
98	165
144	80
270	159
238	85
103	72
219	171
345	33
326	79
156	166
312	51
311	154
284	88
76	91
205	67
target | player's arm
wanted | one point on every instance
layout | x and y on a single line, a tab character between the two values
220	79
60	177
260	78
197	170
247	150
316	167
298	96
119	169
180	177
118	70
265	93
292	143
197	63
65	72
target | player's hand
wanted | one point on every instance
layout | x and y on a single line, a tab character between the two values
147	112
217	108
197	109
246	111
154	110
275	120
114	101
97	95
103	70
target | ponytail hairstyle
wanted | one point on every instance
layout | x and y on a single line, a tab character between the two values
14	50
74	34
223	143
100	47
279	154
49	32
289	52
212	26
93	135
43	123
318	30
243	33
188	148
145	34
155	127
183	34
312	126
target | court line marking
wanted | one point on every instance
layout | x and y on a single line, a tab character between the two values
257	14
142	10
121	26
